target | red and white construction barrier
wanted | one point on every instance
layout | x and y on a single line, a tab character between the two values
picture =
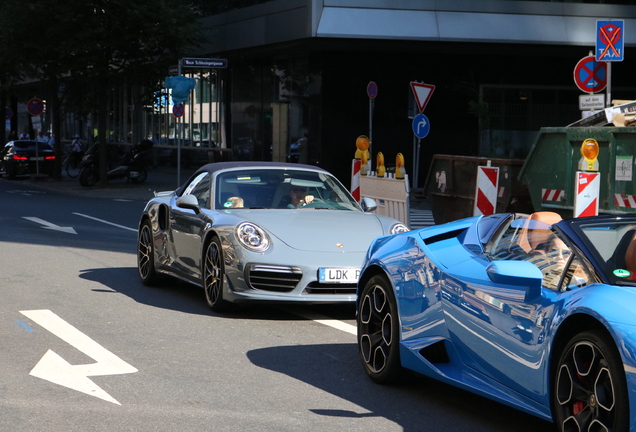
486	193
552	194
588	185
355	179
628	201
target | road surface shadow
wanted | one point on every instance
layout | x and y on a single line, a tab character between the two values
420	404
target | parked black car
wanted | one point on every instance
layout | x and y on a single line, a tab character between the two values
26	157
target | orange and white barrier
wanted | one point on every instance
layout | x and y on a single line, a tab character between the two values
390	194
487	190
588	185
552	194
621	200
355	179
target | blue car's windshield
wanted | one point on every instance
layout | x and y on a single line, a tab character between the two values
613	243
279	188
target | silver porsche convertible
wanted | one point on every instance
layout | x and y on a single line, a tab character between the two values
260	231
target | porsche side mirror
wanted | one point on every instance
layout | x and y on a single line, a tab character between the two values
368	204
189	202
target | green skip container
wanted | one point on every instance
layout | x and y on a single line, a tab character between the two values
549	171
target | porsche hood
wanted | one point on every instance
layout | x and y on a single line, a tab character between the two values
320	230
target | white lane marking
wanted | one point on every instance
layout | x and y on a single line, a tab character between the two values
54	368
49	225
106	222
321	319
25	192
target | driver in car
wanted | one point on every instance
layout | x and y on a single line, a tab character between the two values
299	197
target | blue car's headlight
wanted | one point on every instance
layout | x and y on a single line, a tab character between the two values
252	237
398	228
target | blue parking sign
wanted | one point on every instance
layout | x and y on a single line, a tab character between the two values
610	40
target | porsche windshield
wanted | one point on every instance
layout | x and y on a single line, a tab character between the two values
280	189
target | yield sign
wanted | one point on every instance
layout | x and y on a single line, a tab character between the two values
422	93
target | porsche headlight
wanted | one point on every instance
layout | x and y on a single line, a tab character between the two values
399	228
252	237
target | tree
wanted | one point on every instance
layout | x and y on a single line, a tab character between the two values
92	43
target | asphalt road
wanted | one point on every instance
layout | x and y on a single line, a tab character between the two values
85	346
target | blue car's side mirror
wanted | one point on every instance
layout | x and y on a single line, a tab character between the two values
517	273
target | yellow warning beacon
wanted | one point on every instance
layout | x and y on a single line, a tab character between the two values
589	151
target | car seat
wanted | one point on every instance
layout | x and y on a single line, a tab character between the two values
536	231
281	197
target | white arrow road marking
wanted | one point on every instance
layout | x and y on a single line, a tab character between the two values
54	368
49	225
106	222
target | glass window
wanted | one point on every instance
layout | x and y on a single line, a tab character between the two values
536	242
200	188
613	245
281	189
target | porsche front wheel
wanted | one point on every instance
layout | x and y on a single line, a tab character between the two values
213	274
145	255
378	335
590	390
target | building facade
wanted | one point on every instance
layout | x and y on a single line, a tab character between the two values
501	70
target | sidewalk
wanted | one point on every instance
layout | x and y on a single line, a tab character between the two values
159	179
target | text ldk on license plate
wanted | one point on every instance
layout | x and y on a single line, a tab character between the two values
338	275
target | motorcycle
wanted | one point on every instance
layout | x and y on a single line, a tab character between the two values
132	166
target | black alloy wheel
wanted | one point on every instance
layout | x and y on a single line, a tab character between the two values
590	389
378	331
145	255
213	274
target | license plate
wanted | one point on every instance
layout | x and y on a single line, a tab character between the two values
37	158
338	275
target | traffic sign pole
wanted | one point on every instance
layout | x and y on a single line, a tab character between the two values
372	92
421	126
608	90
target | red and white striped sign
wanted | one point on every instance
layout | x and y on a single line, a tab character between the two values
355	179
552	194
588	185
628	201
486	193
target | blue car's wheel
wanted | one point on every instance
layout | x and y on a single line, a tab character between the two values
590	390
378	337
213	274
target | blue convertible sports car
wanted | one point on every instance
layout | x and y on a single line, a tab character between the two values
529	310
260	231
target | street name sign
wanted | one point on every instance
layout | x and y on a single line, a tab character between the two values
204	63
